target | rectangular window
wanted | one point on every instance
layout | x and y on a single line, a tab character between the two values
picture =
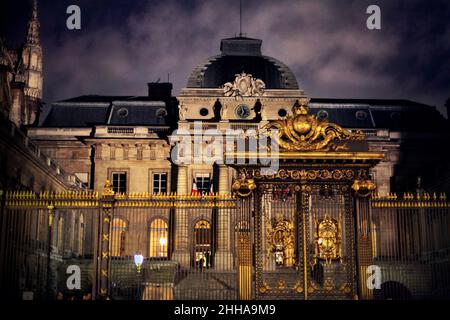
203	182
159	182
119	181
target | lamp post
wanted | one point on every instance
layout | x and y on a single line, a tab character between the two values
138	261
163	243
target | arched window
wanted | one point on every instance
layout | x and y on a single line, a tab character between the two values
202	243
159	233
119	230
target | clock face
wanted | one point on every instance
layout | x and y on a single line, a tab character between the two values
243	111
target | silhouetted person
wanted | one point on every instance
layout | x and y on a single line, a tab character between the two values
208	258
200	263
257	109
216	108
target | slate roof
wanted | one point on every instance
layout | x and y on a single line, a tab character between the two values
238	55
91	110
379	114
401	115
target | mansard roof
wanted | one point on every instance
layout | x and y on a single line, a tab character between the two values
398	115
85	111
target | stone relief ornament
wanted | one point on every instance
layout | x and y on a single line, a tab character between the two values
305	132
182	109
244	85
224	112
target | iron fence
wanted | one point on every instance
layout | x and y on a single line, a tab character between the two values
164	247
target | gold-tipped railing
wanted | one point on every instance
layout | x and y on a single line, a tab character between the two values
133	199
411	200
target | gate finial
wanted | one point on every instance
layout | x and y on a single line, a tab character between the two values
305	132
108	189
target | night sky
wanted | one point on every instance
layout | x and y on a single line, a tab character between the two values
123	44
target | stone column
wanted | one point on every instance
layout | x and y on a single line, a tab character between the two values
223	256
181	250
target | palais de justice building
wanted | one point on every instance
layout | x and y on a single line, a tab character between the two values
121	148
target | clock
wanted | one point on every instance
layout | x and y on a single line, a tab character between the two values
242	111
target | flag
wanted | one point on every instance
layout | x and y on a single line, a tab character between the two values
286	193
194	188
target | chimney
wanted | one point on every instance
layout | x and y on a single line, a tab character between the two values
161	90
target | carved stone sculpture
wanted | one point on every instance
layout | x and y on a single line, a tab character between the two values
244	85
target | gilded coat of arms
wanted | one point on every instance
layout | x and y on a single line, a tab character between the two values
305	132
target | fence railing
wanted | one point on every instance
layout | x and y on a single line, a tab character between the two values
195	246
407	238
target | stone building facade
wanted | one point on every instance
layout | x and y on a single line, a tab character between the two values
131	141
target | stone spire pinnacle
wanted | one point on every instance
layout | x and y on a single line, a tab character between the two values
33	26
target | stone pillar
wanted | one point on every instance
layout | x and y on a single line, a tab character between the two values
223	256
181	250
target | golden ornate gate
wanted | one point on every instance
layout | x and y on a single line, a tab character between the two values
305	219
305	241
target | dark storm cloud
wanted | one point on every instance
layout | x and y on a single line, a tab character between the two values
123	46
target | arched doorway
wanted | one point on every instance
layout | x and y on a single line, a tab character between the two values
159	237
202	244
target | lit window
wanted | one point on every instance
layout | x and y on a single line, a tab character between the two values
202	238
159	182
119	180
159	232
119	232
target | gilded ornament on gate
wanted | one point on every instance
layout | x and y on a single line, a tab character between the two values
108	189
327	240
281	242
363	188
305	132
243	187
298	287
264	287
281	284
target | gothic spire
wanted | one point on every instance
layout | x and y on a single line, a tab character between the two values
33	26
